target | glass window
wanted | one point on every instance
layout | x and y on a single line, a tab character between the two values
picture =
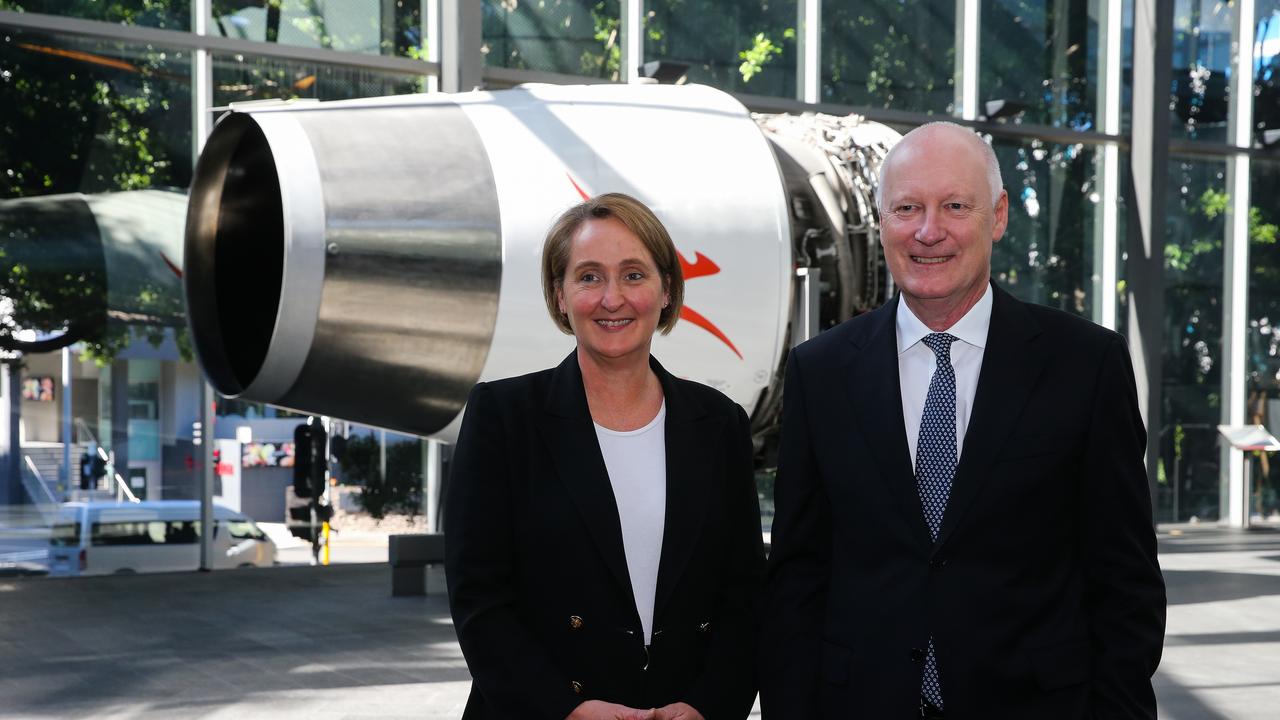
1041	59
95	156
240	530
1046	255
1263	334
1266	70
1201	70
576	37
170	14
156	532
740	47
896	54
373	27
65	534
1188	471
240	78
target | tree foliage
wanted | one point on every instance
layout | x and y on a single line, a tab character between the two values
400	491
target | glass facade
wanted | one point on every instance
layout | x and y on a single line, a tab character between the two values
240	78
1193	337
1046	255
1263	334
1200	94
372	27
1266	72
890	54
574	37
747	47
169	14
1039	62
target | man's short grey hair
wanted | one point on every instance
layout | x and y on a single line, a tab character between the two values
988	155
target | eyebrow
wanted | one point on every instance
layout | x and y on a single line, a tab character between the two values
597	264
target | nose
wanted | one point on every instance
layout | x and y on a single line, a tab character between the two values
612	299
931	230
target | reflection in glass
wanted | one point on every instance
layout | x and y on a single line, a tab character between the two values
576	37
1043	57
1188	471
739	47
242	78
372	27
1263	334
169	14
92	149
1046	255
1266	70
896	54
1201	70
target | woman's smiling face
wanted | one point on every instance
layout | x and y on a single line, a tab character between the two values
611	291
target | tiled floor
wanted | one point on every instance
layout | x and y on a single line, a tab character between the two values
331	642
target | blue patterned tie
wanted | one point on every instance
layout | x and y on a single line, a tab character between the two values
936	467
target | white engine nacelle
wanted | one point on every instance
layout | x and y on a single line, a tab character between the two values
373	259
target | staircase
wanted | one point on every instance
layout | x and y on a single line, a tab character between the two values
47	457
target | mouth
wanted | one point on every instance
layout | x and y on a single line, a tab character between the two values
920	260
613	324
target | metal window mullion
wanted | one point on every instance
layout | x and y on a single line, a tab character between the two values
1235	280
808	50
461	58
631	37
1107	217
431	35
968	27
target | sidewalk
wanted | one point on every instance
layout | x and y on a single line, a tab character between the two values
308	642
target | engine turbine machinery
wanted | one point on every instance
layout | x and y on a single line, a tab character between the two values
373	259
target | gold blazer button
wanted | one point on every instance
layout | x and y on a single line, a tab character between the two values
575	622
577	686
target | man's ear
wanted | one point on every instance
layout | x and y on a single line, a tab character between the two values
1001	218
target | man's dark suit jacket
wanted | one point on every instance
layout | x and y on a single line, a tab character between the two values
537	573
1042	593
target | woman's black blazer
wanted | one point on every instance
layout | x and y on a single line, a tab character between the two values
537	574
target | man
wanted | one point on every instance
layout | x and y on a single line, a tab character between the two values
963	526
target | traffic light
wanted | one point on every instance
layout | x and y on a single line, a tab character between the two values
309	460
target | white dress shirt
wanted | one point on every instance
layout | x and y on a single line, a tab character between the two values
637	464
916	363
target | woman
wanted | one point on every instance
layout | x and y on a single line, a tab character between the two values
603	544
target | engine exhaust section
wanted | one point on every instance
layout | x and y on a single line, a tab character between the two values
373	259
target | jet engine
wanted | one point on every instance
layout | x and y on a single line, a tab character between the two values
373	259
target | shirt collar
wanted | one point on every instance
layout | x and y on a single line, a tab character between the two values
971	329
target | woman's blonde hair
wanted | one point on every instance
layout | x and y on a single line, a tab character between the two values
637	218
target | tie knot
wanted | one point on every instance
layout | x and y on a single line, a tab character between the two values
940	344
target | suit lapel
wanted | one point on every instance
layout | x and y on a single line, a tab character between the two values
1011	364
575	451
874	390
691	439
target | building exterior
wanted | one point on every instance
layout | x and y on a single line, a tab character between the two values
1147	212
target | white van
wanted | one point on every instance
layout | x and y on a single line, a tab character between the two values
100	538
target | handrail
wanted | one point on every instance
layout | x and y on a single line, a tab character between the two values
39	479
123	489
83	427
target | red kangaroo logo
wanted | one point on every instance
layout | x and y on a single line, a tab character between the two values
701	266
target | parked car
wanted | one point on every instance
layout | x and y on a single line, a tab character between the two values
100	538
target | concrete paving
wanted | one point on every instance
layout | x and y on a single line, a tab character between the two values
307	642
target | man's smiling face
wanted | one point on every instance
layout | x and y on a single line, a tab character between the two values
938	220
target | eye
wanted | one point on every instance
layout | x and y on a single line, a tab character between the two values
955	206
634	276
588	277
